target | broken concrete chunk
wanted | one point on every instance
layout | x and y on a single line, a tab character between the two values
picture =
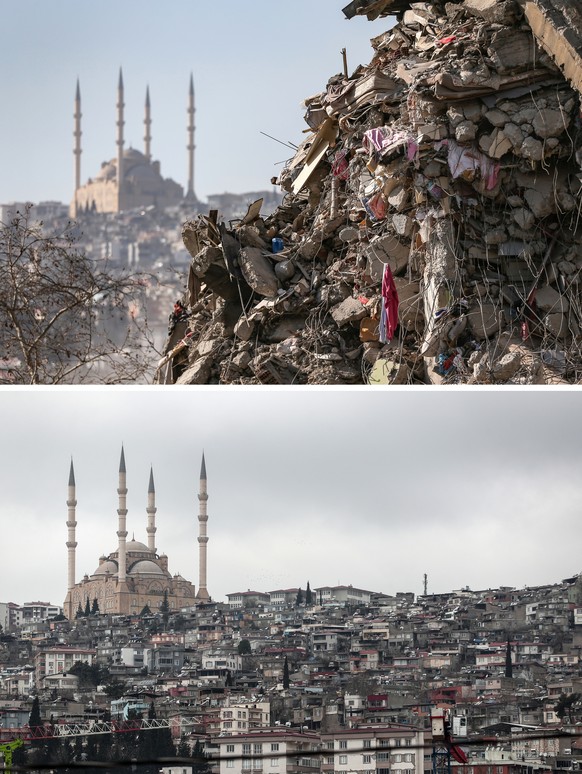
500	144
532	149
524	218
484	319
258	272
244	329
556	324
386	249
205	258
550	123
348	311
539	202
465	131
284	270
497	117
507	366
493	11
389	372
402	224
549	300
349	234
514	134
198	373
399	198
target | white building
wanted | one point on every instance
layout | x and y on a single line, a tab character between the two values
374	750
269	751
347	595
242	717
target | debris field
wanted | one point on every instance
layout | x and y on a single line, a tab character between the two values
430	230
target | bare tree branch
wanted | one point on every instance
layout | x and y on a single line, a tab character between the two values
64	318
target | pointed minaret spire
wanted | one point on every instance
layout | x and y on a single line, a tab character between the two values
202	538
122	514
191	110
151	512
71	542
120	123
148	124
77	147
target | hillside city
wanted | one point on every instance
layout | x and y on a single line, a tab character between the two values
315	680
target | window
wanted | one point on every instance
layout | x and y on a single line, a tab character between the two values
258	764
408	742
230	764
343	759
246	749
275	747
228	714
329	760
367	759
227	724
383	756
274	762
343	745
329	745
367	744
229	748
258	749
246	764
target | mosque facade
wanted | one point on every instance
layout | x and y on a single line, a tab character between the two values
135	575
132	179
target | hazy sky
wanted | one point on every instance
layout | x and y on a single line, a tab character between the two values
371	488
253	64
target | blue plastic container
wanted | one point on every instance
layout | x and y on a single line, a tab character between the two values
277	244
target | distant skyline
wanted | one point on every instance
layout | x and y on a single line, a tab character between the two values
252	63
366	487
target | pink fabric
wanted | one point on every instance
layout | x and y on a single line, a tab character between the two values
390	298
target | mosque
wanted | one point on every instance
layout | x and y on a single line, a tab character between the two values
132	179
134	575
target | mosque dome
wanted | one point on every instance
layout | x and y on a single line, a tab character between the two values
145	567
108	171
106	568
135	545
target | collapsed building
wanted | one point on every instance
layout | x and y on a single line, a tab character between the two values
430	230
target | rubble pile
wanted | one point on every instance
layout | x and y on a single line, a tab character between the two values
430	230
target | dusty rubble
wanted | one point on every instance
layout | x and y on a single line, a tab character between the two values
431	225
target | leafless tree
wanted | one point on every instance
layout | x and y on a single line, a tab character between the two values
65	318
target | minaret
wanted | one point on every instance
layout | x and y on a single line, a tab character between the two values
191	110
71	524
148	124
120	122
122	513
202	538
151	512
77	148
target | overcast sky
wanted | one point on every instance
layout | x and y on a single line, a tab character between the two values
362	487
253	64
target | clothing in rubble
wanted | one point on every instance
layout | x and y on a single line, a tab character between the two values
389	316
178	315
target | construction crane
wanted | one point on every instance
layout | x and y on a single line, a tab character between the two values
7	749
443	746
